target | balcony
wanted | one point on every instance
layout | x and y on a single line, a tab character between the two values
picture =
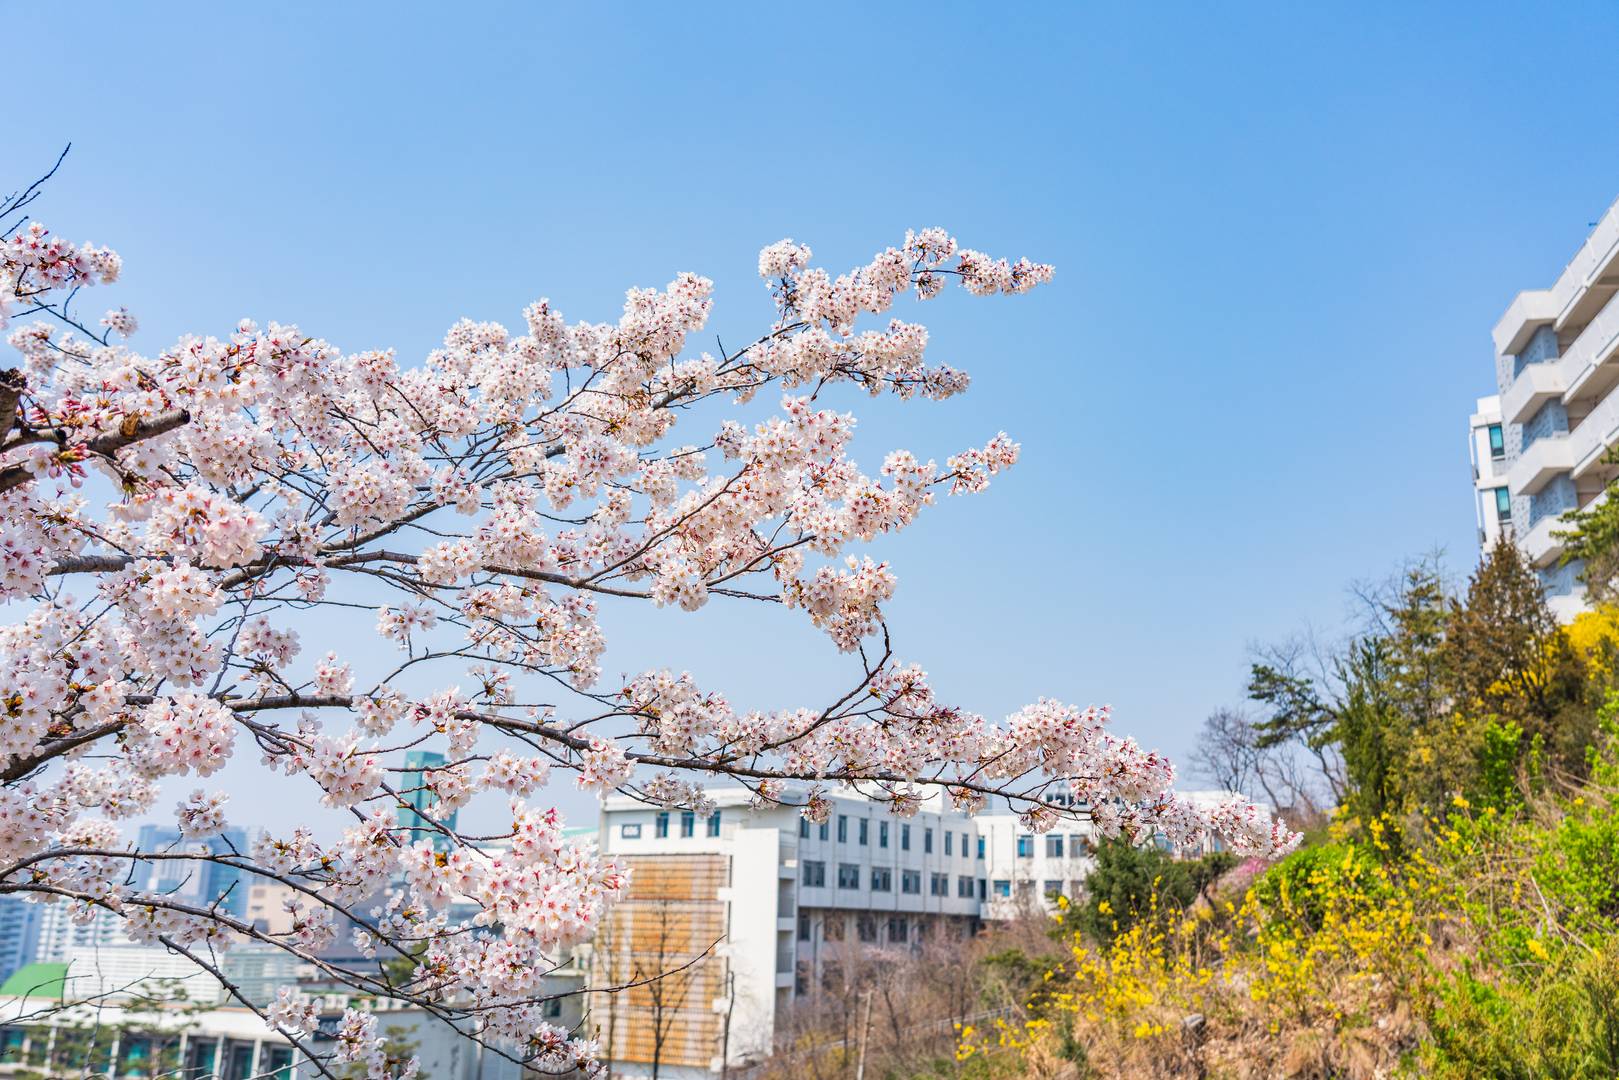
1535	385
1590	277
1588	365
1529	311
1539	545
1585	285
1545	458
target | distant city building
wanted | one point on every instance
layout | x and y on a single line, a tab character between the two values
66	1019
65	925
202	883
267	906
413	790
19	933
1556	368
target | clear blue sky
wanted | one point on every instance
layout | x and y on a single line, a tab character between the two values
1282	235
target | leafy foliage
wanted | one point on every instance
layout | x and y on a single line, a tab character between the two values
1459	917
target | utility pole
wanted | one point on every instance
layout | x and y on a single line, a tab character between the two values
865	1036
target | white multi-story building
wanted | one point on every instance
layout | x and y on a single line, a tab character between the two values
1487	447
1027	870
1556	367
761	904
60	934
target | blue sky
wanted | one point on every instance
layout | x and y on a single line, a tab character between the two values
1282	235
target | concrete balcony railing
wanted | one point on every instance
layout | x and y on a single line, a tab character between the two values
1594	261
1570	301
1590	363
1589	441
1535	385
1546	458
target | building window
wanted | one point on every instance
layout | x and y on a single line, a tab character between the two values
688	823
1077	845
848	876
814	872
630	832
803	828
882	880
660	825
882	834
823	830
963	845
843	828
927	841
832	926
905	838
983	889
1025	846
897	928
803	927
864	831
552	1008
910	881
866	926
1053	888
939	885
1498	442
949	842
964	887
714	823
1054	845
980	847
1503	504
1003	888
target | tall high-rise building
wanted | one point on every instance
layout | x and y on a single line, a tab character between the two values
19	933
1557	367
60	934
205	883
413	790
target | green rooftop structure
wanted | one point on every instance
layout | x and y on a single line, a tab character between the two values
36	980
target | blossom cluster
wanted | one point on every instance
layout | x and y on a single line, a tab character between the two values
177	525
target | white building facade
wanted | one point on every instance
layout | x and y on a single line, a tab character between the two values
790	897
1556	367
1487	449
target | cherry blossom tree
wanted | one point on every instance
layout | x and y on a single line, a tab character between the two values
176	524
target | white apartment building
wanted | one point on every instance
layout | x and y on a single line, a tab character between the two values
1487	447
1556	366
